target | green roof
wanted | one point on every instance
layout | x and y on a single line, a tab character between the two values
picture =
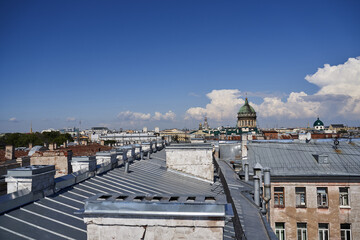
246	108
318	122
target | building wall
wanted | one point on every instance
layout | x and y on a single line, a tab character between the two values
334	215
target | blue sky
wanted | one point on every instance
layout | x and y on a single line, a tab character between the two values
117	63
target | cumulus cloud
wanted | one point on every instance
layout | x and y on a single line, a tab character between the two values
70	119
170	115
137	116
131	116
223	104
13	119
338	95
339	79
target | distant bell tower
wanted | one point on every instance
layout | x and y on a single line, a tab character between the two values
31	127
206	125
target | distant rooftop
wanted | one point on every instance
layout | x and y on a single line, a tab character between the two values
300	159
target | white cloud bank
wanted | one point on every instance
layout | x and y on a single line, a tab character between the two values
339	95
133	117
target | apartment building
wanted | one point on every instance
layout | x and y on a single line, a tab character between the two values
315	188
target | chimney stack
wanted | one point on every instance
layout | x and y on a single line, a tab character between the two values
38	179
120	216
9	152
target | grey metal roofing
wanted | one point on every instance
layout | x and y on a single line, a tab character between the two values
53	217
252	221
297	158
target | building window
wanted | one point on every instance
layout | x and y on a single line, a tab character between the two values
344	196
300	197
345	231
322	197
323	231
302	231
280	230
279	199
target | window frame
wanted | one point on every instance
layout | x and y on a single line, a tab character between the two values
303	231
342	196
277	197
325	231
320	196
280	232
345	230
299	192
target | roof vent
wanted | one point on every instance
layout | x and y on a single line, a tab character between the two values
321	158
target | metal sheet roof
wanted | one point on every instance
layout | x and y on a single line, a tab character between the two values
53	217
298	158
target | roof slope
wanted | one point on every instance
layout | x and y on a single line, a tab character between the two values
297	159
53	217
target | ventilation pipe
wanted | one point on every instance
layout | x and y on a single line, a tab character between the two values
126	160
246	171
257	190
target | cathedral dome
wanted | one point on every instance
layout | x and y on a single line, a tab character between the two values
246	108
318	122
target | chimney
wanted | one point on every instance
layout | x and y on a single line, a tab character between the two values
38	179
196	160
23	161
83	163
9	152
155	147
246	166
107	157
244	146
52	146
119	216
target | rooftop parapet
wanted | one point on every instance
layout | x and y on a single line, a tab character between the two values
119	216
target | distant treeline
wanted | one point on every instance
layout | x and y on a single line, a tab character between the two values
23	139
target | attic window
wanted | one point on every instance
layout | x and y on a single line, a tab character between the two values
321	158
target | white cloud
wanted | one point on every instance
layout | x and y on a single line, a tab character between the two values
224	104
137	116
338	96
70	119
170	115
131	116
339	79
13	119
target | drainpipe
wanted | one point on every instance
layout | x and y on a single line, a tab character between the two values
267	190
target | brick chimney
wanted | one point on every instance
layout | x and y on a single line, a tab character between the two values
9	152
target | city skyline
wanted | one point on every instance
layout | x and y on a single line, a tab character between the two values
169	64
